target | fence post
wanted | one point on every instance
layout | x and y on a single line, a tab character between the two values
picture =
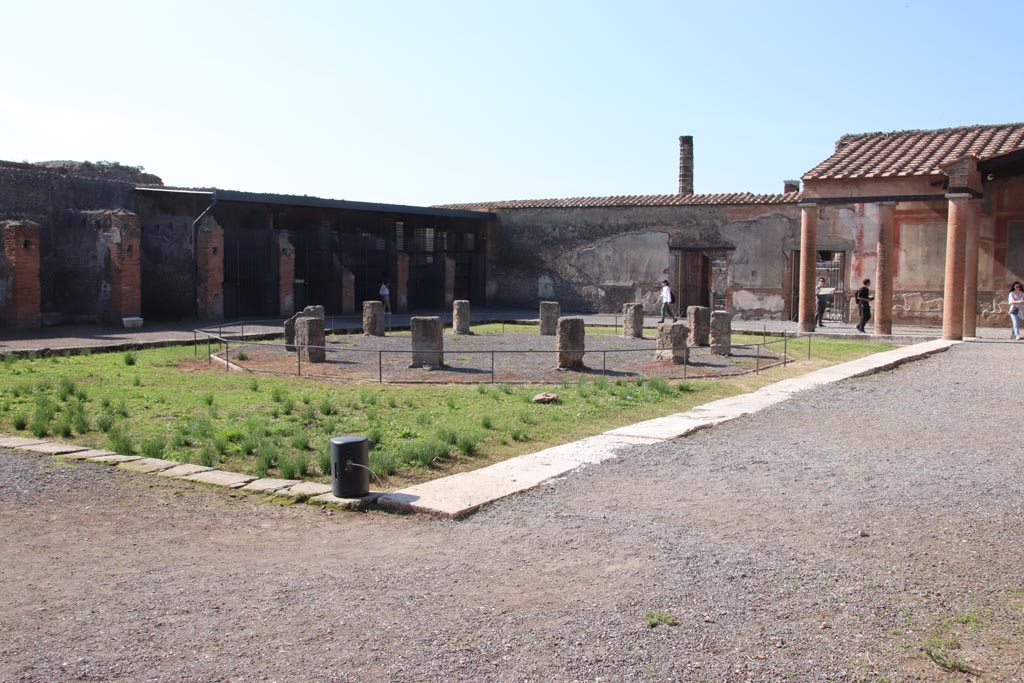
209	350
298	357
604	362
195	344
492	367
757	367
380	366
227	354
809	346
785	348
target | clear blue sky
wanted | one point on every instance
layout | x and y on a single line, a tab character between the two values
434	102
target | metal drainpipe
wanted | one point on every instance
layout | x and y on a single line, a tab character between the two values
195	262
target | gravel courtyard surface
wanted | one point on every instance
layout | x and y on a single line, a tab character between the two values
836	537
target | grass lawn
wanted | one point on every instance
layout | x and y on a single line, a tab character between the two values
167	403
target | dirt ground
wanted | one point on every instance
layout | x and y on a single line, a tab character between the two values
840	536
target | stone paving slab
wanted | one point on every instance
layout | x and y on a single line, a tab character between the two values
346	503
231	480
465	492
179	471
269	485
148	465
86	454
306	489
114	459
18	442
53	448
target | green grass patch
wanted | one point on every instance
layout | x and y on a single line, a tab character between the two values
659	618
185	411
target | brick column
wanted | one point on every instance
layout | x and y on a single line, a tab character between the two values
953	290
125	265
971	268
21	263
808	264
884	268
401	289
210	270
348	291
449	280
285	275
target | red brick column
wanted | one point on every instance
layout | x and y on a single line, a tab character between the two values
124	246
285	276
953	290
21	263
348	291
808	264
971	268
401	290
210	270
449	281
883	268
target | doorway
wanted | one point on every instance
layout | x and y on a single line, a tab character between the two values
830	265
693	279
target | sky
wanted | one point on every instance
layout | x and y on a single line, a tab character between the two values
438	101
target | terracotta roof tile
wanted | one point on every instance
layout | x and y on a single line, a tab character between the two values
632	200
914	152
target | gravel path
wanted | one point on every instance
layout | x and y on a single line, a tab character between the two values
830	538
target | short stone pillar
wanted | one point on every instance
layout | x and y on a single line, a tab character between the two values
721	333
373	318
570	342
289	324
550	311
633	321
309	338
672	343
460	317
698	318
427	342
348	291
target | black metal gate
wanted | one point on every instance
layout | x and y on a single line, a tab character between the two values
830	265
250	282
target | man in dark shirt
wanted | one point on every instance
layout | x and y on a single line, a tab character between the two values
821	299
864	302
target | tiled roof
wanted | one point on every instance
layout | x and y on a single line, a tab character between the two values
914	152
632	200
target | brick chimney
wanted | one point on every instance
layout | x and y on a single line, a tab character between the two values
685	164
790	186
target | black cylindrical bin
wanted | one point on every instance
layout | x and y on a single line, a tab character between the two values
350	466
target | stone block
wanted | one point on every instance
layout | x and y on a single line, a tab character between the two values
633	321
114	459
571	343
313	312
289	333
304	490
310	340
427	342
698	319
460	317
18	441
721	333
345	503
87	454
132	322
268	485
672	343
231	480
147	465
53	448
550	312
180	471
373	318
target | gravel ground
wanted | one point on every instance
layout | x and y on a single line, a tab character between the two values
830	538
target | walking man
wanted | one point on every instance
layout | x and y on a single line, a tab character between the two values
864	303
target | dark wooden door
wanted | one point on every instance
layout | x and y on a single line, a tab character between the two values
693	280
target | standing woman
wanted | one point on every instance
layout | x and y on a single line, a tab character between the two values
864	303
1016	300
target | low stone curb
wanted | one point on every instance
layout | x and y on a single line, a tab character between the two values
48	448
113	459
230	480
183	470
147	465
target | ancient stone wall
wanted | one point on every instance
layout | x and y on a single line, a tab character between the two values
19	274
597	259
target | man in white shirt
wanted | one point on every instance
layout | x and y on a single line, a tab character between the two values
666	298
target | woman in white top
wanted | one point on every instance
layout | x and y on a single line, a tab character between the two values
1016	300
385	295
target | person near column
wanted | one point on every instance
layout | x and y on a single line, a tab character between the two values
821	300
864	298
385	295
666	299
1016	300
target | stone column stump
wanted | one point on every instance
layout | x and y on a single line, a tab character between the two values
427	342
460	317
550	311
672	343
373	318
698	319
633	321
309	338
570	342
721	333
